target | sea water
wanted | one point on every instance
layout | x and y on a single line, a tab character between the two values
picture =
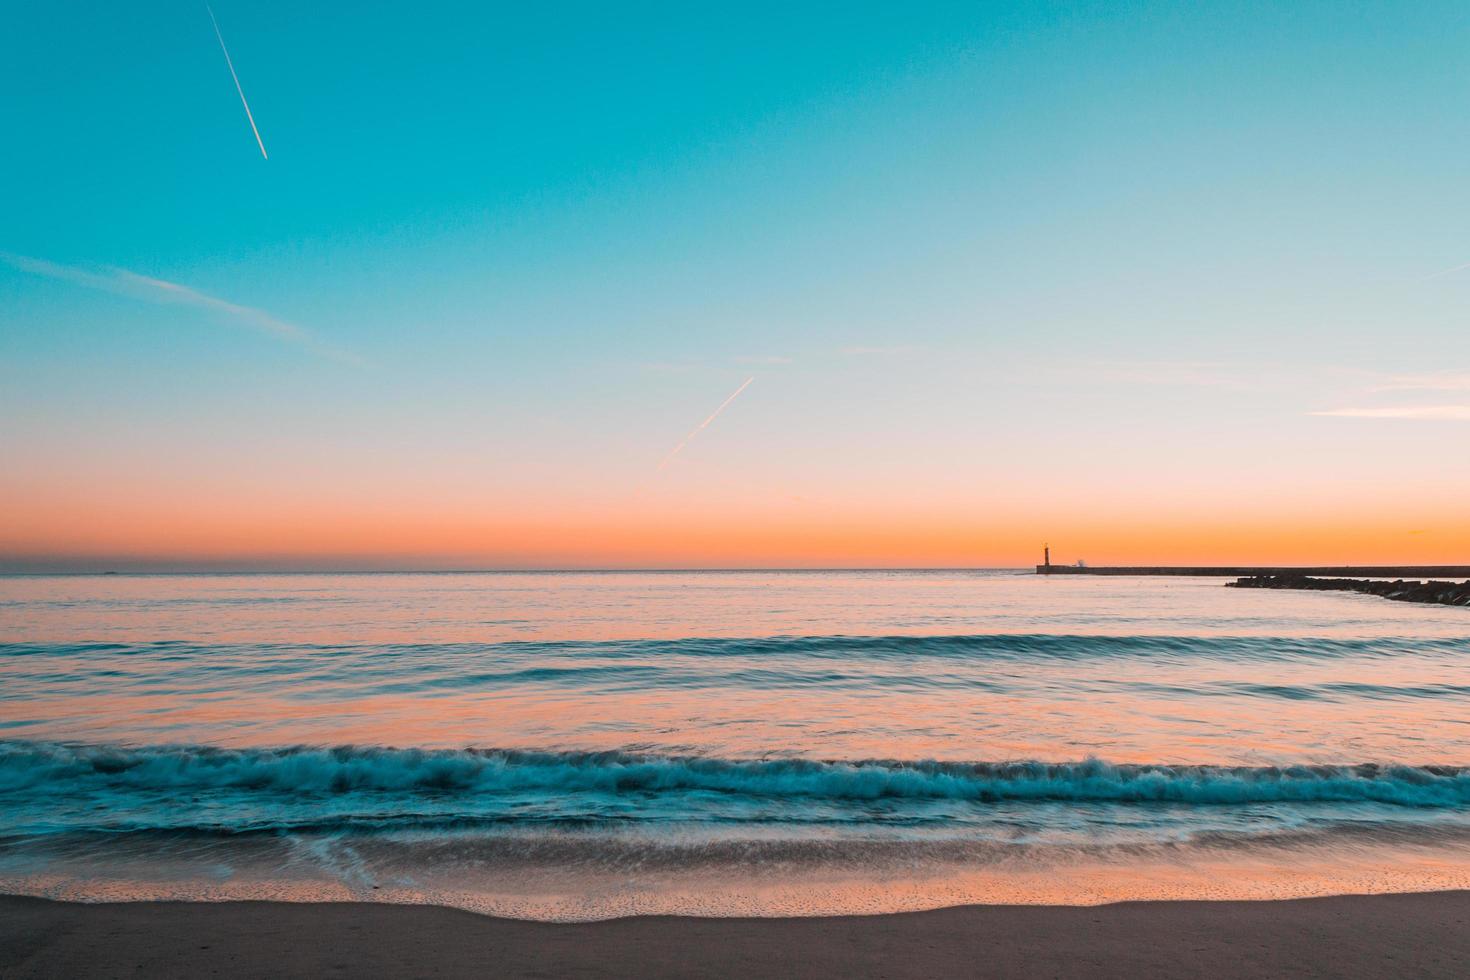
579	745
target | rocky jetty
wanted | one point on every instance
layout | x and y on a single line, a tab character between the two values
1442	593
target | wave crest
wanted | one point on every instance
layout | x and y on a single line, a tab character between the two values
354	769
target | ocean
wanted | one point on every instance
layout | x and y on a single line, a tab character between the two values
572	745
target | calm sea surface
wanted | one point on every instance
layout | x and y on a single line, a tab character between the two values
572	745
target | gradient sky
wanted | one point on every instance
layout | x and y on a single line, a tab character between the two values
1153	282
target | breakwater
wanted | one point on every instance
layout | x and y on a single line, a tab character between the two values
1256	571
1440	593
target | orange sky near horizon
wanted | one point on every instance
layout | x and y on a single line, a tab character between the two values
644	536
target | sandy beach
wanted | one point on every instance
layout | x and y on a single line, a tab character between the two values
1419	935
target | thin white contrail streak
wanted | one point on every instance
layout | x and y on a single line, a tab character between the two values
1445	272
231	64
705	424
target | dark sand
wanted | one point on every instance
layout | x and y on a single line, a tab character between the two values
1424	935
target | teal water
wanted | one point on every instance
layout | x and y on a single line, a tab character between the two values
685	734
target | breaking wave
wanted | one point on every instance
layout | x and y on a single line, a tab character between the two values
88	769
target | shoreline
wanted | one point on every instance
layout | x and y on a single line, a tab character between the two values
1423	934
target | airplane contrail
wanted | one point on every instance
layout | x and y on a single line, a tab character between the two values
1445	272
705	424
231	64
151	290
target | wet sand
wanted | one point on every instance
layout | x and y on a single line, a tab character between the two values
1421	935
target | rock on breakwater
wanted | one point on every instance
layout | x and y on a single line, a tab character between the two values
1440	593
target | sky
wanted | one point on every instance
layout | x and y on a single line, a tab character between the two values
1149	282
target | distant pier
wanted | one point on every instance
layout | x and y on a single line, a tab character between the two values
1258	571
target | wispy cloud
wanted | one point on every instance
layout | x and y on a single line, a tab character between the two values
125	283
670	367
1190	374
1437	413
1434	381
879	351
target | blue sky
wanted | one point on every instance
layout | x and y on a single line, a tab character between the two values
511	256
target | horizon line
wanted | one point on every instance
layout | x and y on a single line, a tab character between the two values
682	569
547	570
